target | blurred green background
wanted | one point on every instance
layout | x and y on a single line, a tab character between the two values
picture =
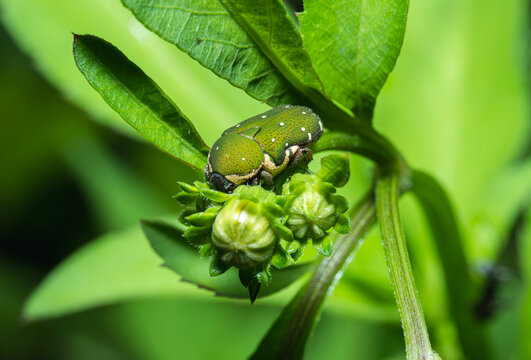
456	106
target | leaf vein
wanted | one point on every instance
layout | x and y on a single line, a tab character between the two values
190	11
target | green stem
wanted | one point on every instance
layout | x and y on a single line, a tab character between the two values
366	142
440	215
287	338
413	323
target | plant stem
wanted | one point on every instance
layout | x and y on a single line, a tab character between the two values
287	338
366	142
394	243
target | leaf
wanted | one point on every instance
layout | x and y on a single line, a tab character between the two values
115	267
205	31
335	169
140	102
271	28
167	240
354	45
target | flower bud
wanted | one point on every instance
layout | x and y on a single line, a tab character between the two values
243	233
312	208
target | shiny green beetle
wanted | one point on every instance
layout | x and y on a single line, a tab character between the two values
262	147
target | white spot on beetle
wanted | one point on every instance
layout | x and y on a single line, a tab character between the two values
217	147
304	113
281	124
303	129
238	125
264	116
286	144
243	159
273	140
310	136
286	107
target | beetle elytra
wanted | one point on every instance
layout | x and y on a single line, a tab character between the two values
262	146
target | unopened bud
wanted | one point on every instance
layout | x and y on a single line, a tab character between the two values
243	234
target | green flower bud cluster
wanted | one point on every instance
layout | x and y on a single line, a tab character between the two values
253	229
313	209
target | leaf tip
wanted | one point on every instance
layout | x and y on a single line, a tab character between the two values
77	37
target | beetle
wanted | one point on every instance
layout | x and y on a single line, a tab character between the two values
262	146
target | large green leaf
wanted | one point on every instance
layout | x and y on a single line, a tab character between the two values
256	48
273	30
168	241
115	267
120	266
354	45
131	93
205	30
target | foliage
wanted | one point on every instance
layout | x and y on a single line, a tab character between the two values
138	100
250	52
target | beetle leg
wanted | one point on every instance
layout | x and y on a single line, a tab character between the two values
267	178
301	158
255	180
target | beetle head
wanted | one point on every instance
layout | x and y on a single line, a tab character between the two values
219	182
